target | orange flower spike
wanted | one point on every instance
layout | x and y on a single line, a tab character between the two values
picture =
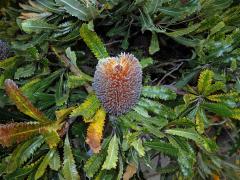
118	82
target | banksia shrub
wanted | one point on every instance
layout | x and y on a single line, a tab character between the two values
4	50
118	82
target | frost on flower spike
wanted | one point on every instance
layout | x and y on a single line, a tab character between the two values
118	82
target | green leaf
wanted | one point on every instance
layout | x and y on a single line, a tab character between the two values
158	92
88	108
77	81
188	133
163	147
145	62
94	163
218	108
43	166
23	152
205	80
52	138
79	10
181	32
137	144
36	25
69	166
25	71
94	43
200	118
154	45
112	156
55	162
71	55
22	103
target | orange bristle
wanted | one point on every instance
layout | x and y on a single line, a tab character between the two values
118	82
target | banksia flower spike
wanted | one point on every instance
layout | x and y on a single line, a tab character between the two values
118	82
4	50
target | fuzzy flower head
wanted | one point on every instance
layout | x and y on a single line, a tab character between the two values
118	82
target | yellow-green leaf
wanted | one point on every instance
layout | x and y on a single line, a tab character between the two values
22	103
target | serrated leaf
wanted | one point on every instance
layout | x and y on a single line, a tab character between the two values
231	96
22	103
95	131
55	162
205	80
137	144
17	132
158	92
163	147
112	154
236	114
63	113
52	138
36	25
94	43
25	71
77	9
24	152
77	81
88	108
43	165
188	133
69	166
94	164
200	121
218	108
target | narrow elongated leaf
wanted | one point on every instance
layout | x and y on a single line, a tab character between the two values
205	80
112	157
95	131
94	164
36	25
43	166
87	109
24	152
218	108
186	133
163	147
69	166
154	45
77	9
55	162
159	92
22	103
94	43
139	147
17	132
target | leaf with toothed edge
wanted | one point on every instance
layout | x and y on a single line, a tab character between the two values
112	157
22	103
